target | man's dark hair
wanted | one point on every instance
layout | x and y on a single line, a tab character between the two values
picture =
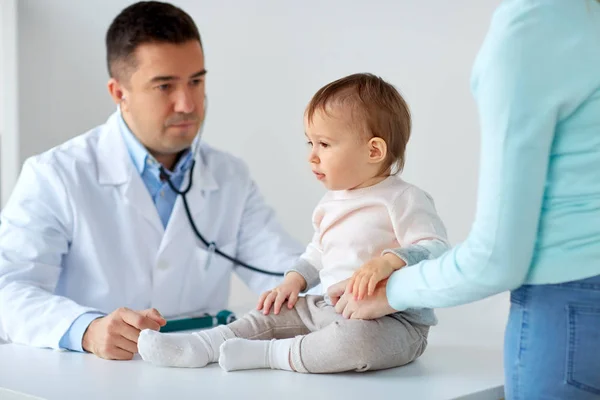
145	22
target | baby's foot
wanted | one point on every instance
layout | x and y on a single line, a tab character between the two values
173	350
238	354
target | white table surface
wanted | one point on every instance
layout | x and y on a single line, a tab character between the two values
463	360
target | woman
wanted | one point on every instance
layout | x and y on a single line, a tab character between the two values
537	228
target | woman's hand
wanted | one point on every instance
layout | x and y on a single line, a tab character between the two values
372	307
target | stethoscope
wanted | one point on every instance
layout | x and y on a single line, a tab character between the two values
211	246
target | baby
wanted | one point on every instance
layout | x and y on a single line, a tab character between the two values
357	129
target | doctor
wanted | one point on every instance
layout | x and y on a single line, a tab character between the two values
93	242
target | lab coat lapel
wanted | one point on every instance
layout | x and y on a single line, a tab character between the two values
116	168
202	184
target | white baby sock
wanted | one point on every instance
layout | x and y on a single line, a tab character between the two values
238	354
189	350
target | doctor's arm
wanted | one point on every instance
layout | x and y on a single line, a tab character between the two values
35	234
262	242
518	106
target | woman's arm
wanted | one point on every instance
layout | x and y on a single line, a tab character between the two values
518	87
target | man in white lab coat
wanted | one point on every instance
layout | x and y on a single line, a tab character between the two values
94	242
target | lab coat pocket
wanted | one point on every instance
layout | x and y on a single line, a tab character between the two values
206	287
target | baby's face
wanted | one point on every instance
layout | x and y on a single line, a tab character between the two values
339	154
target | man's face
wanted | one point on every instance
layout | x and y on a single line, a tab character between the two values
164	97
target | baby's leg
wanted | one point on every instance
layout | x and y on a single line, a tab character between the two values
195	350
263	341
239	354
188	350
335	344
359	345
257	326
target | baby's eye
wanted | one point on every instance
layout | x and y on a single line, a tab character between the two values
309	143
324	145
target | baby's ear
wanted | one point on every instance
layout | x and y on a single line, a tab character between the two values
377	149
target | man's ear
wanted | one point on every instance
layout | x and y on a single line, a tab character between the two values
377	150
117	92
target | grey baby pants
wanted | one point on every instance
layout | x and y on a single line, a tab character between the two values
326	342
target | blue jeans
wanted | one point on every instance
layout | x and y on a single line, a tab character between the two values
552	342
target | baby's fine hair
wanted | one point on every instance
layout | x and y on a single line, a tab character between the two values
376	108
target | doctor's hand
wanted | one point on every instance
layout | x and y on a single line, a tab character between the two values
115	336
292	285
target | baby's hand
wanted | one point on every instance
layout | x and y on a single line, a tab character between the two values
289	290
366	278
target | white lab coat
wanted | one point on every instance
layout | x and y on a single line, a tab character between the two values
81	233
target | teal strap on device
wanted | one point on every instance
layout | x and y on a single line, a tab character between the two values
223	317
